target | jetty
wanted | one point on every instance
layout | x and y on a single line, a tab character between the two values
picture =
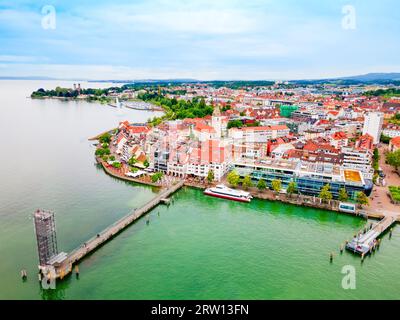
365	242
64	266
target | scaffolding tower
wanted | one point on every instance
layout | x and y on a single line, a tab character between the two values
46	238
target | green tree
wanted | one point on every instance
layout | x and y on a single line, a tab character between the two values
292	188
325	193
156	177
393	158
362	199
234	124
117	165
343	196
146	163
261	185
105	138
99	152
132	161
233	178
112	158
210	176
385	139
247	183
276	185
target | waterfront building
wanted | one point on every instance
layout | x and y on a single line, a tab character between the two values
309	177
373	122
358	160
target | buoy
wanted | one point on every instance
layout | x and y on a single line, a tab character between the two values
390	233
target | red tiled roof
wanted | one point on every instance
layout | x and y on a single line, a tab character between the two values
396	142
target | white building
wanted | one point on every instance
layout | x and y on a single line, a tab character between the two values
358	160
373	122
258	134
391	130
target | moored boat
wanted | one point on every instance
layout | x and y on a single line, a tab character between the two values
223	192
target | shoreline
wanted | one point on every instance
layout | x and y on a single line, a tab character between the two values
266	195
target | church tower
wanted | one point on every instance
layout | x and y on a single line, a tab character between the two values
216	121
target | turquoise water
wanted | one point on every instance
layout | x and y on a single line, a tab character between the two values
197	248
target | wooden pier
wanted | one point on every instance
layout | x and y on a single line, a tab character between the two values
365	242
64	268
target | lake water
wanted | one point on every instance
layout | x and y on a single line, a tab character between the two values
197	248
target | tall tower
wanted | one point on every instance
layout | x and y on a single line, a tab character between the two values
373	122
45	229
216	121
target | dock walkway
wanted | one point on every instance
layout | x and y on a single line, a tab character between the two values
92	244
365	242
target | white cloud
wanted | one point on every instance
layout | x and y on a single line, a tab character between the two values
10	58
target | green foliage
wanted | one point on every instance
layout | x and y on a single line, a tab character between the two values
261	185
132	161
102	151
343	196
156	177
362	199
292	188
112	158
146	163
388	93
233	178
325	193
395	193
105	138
393	158
226	107
385	139
276	185
177	109
210	176
105	157
117	165
247	183
134	170
234	124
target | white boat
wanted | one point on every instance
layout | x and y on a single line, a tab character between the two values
221	191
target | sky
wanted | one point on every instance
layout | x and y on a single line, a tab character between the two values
198	39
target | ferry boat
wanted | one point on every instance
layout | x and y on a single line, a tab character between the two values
221	191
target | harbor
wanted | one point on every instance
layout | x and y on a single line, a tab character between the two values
59	265
368	240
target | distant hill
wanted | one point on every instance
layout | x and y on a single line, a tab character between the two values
370	77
